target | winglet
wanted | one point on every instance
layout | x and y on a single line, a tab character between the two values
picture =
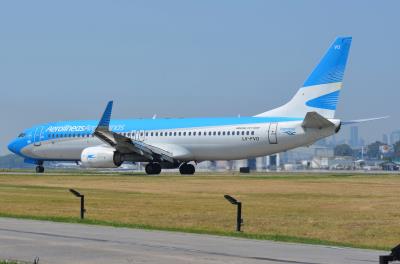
105	118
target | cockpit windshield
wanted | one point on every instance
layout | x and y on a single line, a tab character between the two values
21	135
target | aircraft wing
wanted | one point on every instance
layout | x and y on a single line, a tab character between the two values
126	145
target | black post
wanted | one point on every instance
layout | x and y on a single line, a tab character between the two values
82	206
239	220
78	194
239	216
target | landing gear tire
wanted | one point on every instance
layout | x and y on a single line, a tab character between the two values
187	169
153	168
39	169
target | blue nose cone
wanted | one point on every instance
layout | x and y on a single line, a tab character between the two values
13	146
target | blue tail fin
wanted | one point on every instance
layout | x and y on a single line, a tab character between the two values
331	68
320	92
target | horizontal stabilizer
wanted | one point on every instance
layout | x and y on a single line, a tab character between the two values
315	120
357	121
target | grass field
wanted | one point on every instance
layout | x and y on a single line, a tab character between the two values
343	209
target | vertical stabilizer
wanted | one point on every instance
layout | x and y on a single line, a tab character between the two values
320	92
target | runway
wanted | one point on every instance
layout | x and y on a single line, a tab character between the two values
77	243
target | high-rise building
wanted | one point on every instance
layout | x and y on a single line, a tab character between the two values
394	137
354	141
385	139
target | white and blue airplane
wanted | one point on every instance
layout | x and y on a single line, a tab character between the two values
180	143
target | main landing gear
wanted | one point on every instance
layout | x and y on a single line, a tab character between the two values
153	168
39	169
187	169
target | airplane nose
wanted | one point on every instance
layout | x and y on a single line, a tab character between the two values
13	146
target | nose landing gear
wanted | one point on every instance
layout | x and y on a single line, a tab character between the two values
39	169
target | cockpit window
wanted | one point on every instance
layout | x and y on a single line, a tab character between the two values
21	135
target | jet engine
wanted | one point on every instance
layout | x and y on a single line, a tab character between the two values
101	157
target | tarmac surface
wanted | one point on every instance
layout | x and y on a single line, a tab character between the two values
78	243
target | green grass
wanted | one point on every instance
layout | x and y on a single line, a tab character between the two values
349	210
11	262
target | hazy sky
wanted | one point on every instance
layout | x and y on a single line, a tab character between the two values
65	59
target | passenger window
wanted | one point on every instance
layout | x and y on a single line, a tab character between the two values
252	133
228	133
209	133
156	134
161	134
170	134
151	134
180	133
242	133
189	133
248	133
194	133
219	133
214	133
184	133
174	134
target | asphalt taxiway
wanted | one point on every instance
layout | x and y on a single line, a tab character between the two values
78	243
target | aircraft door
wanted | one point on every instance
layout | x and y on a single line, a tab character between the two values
38	136
273	133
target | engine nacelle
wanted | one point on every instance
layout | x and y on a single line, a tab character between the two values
101	157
